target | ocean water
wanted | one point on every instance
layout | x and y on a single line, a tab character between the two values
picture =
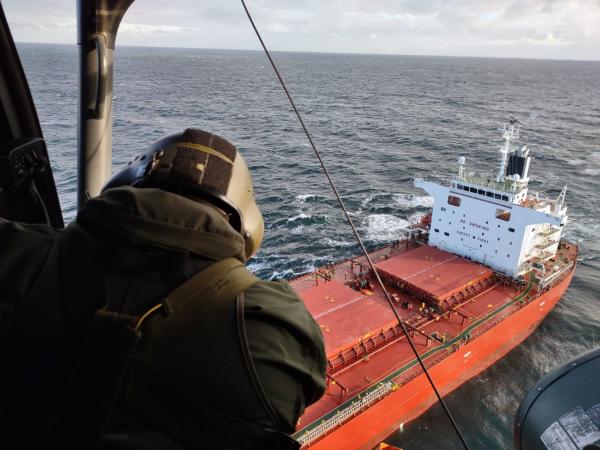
380	121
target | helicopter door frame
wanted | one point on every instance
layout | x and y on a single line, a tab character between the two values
97	26
27	188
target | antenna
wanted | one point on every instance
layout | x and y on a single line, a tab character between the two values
461	167
510	131
560	201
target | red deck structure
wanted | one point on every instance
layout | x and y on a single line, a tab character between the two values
345	315
433	273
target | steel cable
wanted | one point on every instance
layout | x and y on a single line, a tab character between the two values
358	238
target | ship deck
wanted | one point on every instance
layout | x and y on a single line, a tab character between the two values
364	344
433	272
344	314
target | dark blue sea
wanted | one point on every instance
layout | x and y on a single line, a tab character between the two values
380	121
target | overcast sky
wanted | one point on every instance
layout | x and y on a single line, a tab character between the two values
557	29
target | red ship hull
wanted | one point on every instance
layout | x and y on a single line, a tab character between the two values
374	381
373	425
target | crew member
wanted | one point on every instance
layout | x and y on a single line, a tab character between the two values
138	325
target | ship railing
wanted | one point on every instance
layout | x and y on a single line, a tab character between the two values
480	180
410	239
538	256
343	415
455	347
545	243
492	323
549	232
475	334
482	329
384	388
429	362
541	202
370	345
544	282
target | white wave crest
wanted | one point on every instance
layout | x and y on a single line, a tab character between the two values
308	219
369	198
329	242
302	198
299	217
385	227
284	274
416	217
413	201
590	171
298	230
257	266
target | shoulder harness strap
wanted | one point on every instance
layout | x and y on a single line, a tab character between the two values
112	339
221	281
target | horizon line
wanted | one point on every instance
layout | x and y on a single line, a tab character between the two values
324	52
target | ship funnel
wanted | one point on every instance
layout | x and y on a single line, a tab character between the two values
509	133
524	151
518	164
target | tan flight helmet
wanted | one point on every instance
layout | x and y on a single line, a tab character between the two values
205	167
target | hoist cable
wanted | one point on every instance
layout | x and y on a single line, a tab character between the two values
360	242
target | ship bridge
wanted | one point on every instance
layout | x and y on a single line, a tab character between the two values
496	220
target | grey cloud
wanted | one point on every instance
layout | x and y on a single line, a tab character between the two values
527	28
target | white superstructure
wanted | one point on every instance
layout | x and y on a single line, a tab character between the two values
495	220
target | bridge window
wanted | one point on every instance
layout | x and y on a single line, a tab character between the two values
466	188
497	196
459	186
481	192
474	190
503	214
505	198
489	194
453	200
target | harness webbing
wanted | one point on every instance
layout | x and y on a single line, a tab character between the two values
112	340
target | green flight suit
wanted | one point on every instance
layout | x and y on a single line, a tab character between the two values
128	249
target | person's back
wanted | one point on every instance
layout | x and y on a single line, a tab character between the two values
231	372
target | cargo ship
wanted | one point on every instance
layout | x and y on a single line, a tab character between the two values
470	281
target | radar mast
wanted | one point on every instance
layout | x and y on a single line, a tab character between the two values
510	131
